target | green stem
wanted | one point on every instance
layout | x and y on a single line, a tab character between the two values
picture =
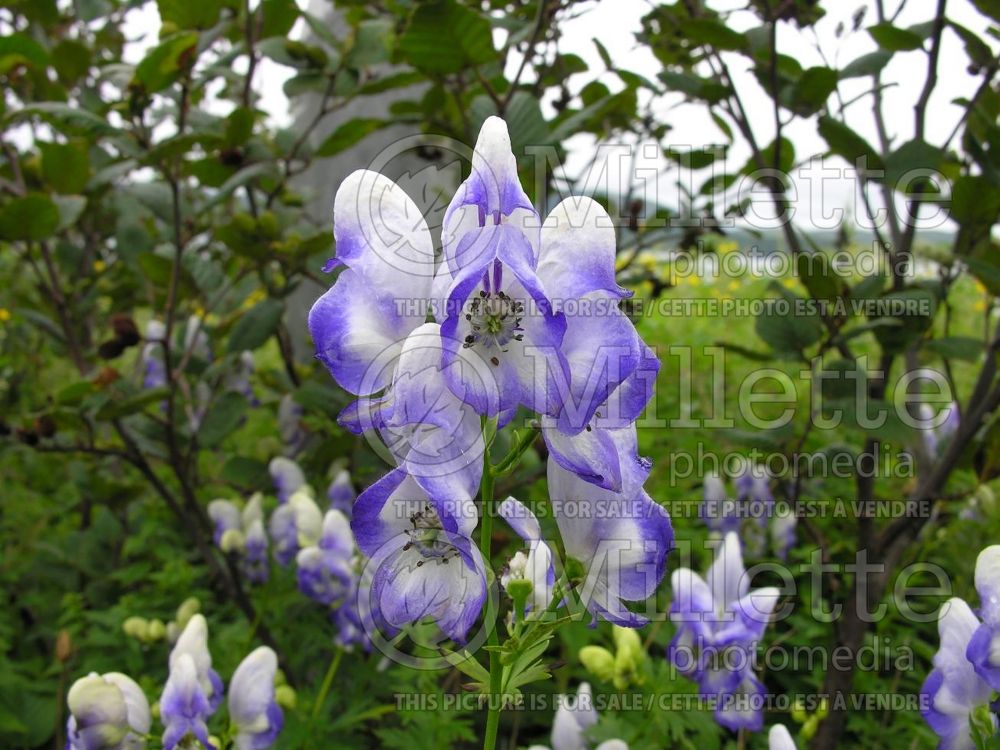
485	547
331	672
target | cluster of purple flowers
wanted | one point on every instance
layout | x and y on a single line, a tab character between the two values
434	347
719	625
752	513
111	712
960	690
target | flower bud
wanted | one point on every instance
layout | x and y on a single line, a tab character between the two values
64	646
286	697
598	661
136	627
157	630
810	727
232	541
798	712
188	609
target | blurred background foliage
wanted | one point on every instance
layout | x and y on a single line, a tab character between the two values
160	189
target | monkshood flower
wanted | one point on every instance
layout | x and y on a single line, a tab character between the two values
423	563
341	493
154	372
294	525
955	694
611	370
779	738
946	427
719	623
193	644
325	571
498	321
433	435
107	712
782	530
287	477
184	707
984	647
242	531
535	568
293	436
238	380
574	716
717	508
256	717
621	538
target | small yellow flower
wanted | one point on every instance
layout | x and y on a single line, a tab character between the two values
979	306
694	280
99	266
788	283
4	314
734	286
727	247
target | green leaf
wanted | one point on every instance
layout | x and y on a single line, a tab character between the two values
165	62
978	51
33	217
70	209
245	472
713	33
239	126
189	14
373	41
256	326
987	271
20	49
71	59
787	331
118	408
390	82
708	89
957	347
818	277
445	37
866	65
811	91
66	118
909	164
348	134
224	416
66	166
279	17
894	39
847	144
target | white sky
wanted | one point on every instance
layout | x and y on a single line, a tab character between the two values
615	22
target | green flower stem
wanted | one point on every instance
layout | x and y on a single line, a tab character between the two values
485	547
331	672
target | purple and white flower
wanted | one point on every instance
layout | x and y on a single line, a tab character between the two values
574	716
241	531
719	624
293	436
954	691
534	566
107	712
296	524
256	717
984	647
422	561
325	570
287	477
621	538
193	642
184	706
154	371
341	493
779	738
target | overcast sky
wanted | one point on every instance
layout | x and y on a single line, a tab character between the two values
615	23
